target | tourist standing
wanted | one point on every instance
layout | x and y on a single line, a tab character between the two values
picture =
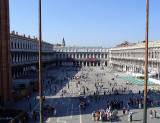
55	89
151	114
140	105
128	109
93	115
155	113
104	92
124	110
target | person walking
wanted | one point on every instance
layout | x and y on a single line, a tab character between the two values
155	113
55	112
55	89
128	109
124	110
151	114
130	117
104	92
140	105
93	116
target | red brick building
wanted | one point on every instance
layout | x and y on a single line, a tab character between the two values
5	62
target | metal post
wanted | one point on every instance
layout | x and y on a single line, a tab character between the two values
146	65
40	68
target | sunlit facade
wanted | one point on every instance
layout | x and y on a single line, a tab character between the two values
131	59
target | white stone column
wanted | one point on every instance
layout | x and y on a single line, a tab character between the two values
93	55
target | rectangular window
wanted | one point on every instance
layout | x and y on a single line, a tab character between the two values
106	55
12	45
18	45
15	45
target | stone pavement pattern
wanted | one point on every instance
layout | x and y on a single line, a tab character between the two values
67	106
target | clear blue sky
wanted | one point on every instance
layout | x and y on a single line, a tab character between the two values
103	23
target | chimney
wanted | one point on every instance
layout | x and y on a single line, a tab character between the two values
33	37
13	32
28	36
23	35
16	33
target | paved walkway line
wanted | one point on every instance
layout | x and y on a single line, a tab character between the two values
35	107
80	117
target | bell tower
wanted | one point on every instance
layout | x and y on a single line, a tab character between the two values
5	55
63	42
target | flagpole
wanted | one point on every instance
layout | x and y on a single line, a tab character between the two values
40	68
146	65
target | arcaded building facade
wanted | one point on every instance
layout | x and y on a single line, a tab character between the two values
132	58
25	54
81	56
125	57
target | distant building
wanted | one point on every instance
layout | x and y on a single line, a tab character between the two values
25	54
125	44
59	45
131	58
63	42
125	57
81	56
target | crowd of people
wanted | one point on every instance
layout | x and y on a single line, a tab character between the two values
104	115
49	110
86	95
